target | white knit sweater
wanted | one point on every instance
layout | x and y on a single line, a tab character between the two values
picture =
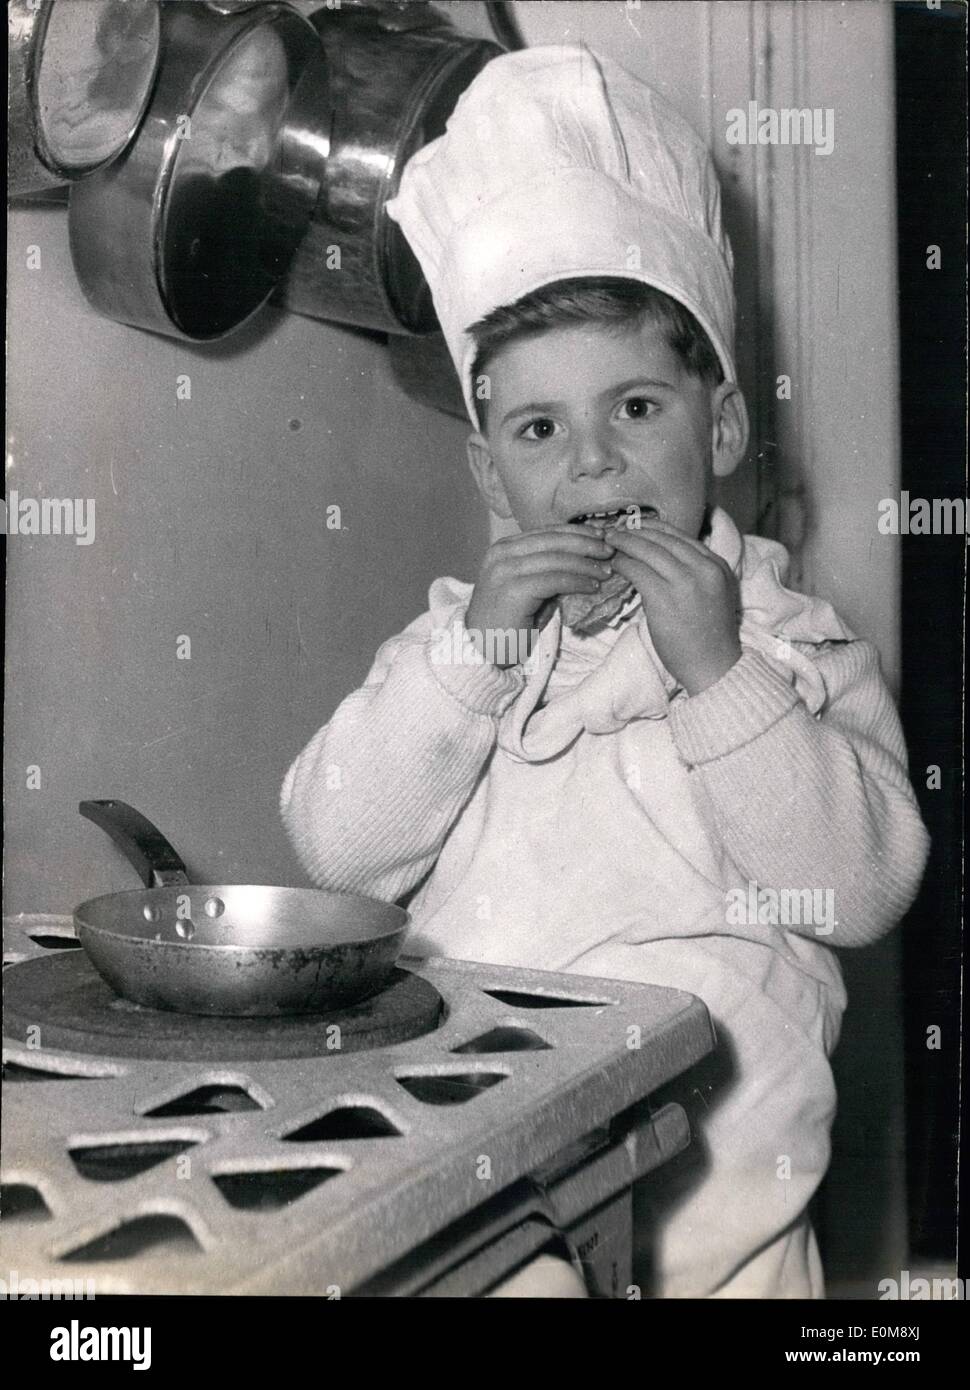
793	764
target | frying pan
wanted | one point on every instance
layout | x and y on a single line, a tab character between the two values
230	949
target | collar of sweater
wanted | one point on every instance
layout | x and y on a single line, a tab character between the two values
602	681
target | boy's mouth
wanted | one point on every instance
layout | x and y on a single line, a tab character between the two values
615	515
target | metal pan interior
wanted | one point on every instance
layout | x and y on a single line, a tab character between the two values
248	916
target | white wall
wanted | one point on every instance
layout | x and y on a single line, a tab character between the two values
210	523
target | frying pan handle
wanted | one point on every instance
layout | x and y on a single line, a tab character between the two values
142	844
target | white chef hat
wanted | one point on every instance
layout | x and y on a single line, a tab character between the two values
557	163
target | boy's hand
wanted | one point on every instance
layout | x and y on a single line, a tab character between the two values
520	573
690	600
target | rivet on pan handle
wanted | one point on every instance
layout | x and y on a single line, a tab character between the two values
143	844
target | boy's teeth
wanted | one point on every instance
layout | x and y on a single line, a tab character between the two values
619	511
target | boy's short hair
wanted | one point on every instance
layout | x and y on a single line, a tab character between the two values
609	300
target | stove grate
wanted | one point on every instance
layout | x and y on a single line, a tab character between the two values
306	1175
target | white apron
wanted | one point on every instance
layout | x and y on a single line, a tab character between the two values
585	847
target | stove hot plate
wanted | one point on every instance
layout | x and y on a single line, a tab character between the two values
76	1011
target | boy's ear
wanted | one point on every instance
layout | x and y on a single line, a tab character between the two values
486	475
731	429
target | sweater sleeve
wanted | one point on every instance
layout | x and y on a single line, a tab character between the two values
803	802
370	800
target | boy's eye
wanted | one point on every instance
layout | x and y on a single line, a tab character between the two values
636	408
540	429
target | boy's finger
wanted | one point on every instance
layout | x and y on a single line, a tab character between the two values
653	571
639	570
660	533
646	539
559	560
657	557
650	523
560	538
556	581
571	530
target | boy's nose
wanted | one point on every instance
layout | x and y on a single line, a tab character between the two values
592	456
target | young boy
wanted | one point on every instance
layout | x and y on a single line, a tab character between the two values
628	751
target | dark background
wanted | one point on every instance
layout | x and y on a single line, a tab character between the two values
931	170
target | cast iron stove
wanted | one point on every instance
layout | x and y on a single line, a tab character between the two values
427	1142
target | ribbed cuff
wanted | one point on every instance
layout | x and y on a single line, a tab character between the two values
465	675
744	703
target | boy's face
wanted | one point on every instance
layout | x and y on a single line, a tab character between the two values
590	419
